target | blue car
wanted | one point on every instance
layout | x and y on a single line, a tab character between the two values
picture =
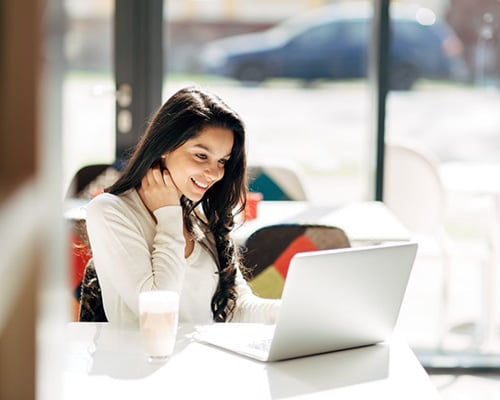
333	42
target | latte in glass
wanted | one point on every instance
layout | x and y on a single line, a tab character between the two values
159	315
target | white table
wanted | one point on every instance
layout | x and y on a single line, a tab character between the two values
365	223
75	209
105	361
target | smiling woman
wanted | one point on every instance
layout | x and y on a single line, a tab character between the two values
199	163
166	222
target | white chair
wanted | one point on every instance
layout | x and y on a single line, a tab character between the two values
414	192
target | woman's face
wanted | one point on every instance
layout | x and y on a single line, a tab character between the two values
199	163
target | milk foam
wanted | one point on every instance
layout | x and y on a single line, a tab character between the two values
158	301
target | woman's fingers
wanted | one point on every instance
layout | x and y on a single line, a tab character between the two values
166	178
152	177
158	190
156	175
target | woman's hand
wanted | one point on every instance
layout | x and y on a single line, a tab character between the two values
158	190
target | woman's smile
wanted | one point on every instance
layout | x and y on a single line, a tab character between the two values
199	184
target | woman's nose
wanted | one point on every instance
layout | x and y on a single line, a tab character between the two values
214	171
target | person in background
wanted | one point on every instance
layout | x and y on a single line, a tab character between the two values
166	223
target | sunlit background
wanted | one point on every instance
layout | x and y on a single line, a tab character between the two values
301	83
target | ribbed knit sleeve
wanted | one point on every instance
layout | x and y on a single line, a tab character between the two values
131	256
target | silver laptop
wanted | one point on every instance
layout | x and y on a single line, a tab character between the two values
332	300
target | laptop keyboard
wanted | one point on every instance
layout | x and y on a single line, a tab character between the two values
261	344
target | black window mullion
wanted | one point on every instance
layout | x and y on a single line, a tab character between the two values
380	80
138	67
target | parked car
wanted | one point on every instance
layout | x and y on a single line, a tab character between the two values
333	42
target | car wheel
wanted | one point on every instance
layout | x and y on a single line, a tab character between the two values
403	77
250	72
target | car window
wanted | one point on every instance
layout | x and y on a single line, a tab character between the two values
412	32
351	31
354	31
319	34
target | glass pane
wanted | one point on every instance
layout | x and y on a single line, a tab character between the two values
88	114
455	120
297	75
311	105
88	86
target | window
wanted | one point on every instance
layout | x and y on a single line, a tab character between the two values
88	86
297	112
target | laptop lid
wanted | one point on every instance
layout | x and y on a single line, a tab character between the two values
332	300
343	298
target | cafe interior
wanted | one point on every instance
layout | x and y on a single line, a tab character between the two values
400	143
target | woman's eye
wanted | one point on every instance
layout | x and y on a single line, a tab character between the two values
201	156
223	162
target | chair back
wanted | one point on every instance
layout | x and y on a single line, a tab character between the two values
268	251
276	181
88	181
413	189
91	179
91	305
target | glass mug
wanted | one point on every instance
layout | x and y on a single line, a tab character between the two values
159	317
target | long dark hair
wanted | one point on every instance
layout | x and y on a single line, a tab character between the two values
181	118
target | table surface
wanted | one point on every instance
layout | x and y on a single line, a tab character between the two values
104	360
367	222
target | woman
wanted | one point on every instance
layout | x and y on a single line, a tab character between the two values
166	222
